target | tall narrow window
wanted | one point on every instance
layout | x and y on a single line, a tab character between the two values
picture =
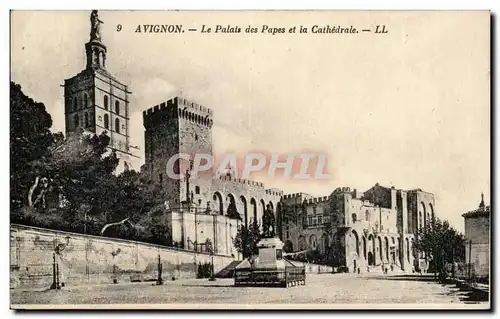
75	106
117	107
86	119
85	100
76	120
106	102
117	125
197	190
161	178
106	121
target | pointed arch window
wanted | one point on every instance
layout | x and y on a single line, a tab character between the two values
106	121
85	100
117	107
86	119
106	102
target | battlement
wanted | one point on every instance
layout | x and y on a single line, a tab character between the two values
274	192
318	200
241	181
340	190
179	107
295	195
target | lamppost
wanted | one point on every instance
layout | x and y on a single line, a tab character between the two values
210	249
159	281
470	264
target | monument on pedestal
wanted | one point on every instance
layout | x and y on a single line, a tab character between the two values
268	268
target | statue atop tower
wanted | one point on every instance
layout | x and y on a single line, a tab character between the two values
95	26
481	204
95	49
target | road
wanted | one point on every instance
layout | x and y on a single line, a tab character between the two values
324	290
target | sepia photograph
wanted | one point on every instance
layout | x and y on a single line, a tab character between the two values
250	159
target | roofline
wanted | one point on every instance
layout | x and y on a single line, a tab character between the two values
480	212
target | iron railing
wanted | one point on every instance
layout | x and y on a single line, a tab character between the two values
291	276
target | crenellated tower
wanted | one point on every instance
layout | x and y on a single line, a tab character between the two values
171	128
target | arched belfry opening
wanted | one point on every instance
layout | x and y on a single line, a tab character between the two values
95	49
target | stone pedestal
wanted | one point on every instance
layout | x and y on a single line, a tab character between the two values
268	268
270	256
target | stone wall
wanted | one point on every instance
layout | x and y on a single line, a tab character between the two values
313	268
85	259
192	230
477	230
480	259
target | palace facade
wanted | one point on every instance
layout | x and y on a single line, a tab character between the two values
364	229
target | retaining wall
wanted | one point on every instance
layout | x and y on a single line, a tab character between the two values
85	259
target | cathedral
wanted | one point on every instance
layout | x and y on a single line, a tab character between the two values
364	230
96	102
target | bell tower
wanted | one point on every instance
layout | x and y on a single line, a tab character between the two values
96	102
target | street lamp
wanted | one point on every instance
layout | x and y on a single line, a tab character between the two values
470	264
210	249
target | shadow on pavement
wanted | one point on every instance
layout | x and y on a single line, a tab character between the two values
209	285
474	296
403	278
465	294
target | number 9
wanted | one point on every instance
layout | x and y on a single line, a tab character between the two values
118	28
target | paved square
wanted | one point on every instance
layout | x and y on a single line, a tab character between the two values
335	289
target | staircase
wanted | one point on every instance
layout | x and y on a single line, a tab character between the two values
228	271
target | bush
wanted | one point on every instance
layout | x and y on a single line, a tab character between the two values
204	270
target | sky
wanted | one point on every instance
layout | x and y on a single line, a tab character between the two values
408	109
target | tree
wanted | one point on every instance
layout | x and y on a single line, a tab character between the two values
140	201
314	256
69	183
287	247
441	243
30	141
246	240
